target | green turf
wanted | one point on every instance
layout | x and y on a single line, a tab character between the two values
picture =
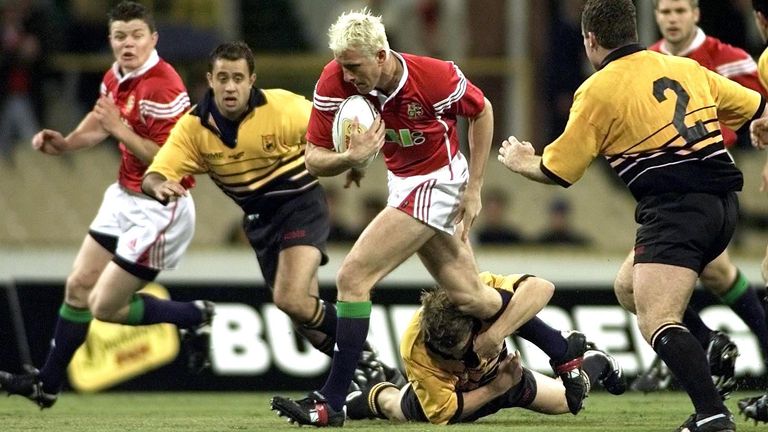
226	411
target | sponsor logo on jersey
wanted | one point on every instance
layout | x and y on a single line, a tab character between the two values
236	156
295	234
214	155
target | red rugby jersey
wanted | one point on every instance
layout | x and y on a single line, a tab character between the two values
420	115
151	99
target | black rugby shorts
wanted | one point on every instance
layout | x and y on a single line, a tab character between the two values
686	230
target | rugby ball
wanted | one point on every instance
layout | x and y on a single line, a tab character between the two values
353	106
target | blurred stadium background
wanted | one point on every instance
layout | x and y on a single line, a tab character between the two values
525	54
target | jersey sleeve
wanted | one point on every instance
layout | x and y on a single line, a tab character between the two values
438	398
326	99
567	158
459	96
737	65
508	282
179	157
300	114
161	106
736	104
762	69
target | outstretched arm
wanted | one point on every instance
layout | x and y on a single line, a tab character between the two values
87	134
520	157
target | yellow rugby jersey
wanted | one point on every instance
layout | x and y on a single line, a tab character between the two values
265	162
762	69
439	382
654	117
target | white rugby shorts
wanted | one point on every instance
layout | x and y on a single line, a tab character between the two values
431	198
148	233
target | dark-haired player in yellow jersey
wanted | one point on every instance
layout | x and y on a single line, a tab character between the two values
250	142
655	119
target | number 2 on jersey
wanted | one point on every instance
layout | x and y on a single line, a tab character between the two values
690	134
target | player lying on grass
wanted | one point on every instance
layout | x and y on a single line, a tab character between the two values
449	383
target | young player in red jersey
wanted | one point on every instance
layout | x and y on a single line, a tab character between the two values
133	237
677	21
434	193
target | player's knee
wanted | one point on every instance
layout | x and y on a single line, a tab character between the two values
77	290
350	282
100	309
648	325
464	300
290	305
718	278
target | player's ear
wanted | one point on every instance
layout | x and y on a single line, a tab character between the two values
381	55
252	79
696	14
209	77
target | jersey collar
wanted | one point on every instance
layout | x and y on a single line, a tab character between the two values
381	96
697	42
205	109
621	52
153	59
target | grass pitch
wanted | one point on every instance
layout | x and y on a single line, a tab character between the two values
227	411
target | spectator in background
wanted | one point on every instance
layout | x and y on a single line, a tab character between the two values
21	63
559	231
494	228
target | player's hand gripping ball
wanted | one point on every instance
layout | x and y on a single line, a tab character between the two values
353	106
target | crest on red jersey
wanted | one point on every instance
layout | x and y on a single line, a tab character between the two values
415	111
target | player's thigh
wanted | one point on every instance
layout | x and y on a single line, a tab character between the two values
89	264
550	396
386	242
719	274
451	262
113	291
622	285
662	292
